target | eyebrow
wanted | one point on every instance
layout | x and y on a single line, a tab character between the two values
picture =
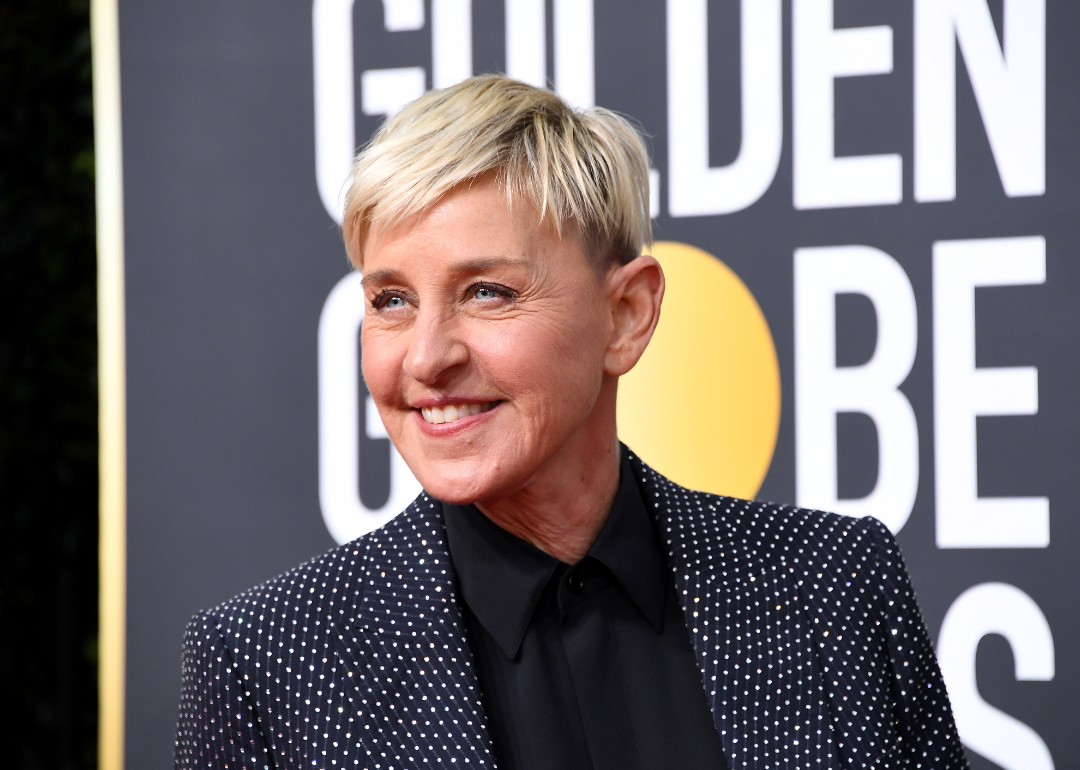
465	267
481	264
387	274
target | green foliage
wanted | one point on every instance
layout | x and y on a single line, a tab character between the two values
48	392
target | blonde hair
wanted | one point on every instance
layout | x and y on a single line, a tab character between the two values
586	168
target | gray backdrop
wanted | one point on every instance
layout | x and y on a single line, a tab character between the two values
231	255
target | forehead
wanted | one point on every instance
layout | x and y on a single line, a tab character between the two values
473	227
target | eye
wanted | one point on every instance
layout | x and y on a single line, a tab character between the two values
389	300
487	292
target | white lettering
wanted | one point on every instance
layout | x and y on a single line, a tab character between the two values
451	42
385	92
335	122
1009	85
996	608
345	515
575	77
526	41
962	393
822	389
696	189
403	15
820	54
373	424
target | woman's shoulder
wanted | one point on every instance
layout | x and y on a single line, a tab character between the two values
314	590
803	537
321	591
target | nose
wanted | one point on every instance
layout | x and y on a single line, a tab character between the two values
434	348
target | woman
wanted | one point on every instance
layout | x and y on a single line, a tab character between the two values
549	601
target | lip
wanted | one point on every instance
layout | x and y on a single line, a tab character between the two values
450	428
441	401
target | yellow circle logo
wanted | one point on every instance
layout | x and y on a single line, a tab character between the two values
702	406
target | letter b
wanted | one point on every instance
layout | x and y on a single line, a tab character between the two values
822	389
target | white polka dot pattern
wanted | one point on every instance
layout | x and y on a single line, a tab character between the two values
811	648
356	659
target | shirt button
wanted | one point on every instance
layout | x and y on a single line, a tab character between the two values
576	582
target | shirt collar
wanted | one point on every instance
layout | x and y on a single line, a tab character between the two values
629	546
502	577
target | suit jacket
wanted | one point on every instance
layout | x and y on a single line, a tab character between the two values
810	644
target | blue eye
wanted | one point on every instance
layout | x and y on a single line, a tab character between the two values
484	293
388	301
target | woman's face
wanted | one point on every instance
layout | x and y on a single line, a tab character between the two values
484	342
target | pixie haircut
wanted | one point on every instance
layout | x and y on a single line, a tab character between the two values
583	170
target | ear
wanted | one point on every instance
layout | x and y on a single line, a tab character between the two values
635	291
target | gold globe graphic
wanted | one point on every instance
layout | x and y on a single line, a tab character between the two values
702	406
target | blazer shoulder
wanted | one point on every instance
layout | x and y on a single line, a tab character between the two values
330	585
805	536
325	585
329	588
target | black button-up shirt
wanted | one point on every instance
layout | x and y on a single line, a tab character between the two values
583	666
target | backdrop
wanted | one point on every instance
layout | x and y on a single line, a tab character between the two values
868	211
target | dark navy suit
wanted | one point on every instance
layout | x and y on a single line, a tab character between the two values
810	644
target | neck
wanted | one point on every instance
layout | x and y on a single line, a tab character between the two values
564	505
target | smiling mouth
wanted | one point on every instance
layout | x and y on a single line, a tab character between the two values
438	415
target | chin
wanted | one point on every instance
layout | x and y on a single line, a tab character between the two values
455	482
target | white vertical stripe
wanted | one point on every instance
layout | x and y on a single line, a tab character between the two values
575	78
335	120
526	41
451	42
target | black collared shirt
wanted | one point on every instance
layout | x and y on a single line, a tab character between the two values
583	666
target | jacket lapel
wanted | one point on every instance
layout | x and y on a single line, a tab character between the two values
771	619
748	626
406	654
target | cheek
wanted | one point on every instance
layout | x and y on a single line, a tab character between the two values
381	365
546	357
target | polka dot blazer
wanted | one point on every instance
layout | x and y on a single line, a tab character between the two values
810	644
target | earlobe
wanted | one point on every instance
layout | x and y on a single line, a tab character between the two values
637	293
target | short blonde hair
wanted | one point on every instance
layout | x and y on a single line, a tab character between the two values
587	168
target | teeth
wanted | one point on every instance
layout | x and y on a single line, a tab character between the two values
437	415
